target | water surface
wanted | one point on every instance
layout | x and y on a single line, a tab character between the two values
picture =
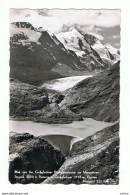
80	129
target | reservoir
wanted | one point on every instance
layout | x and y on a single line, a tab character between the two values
80	129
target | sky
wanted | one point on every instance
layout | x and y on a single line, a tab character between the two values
54	19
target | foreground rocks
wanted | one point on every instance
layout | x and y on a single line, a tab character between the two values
29	154
94	160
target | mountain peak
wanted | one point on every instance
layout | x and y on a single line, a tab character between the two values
74	30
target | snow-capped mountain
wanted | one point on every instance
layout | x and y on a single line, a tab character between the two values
72	41
34	54
107	35
103	51
87	45
37	55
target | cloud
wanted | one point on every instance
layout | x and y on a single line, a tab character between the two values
54	19
115	36
27	15
99	13
43	12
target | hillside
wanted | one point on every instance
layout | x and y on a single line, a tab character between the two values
99	96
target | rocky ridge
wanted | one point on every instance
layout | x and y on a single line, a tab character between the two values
29	154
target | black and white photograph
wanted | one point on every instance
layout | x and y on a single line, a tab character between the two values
64	117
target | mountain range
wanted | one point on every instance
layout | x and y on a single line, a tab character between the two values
37	55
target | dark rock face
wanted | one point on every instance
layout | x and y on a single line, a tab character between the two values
97	153
90	39
29	153
25	98
24	25
17	138
99	96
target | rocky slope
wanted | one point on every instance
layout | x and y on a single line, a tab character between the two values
28	102
99	96
25	98
29	154
94	160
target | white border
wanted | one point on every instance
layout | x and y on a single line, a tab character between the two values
5	187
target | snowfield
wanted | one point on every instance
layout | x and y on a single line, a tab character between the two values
101	50
70	40
63	84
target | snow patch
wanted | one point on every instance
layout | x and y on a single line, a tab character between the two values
101	50
63	84
32	35
112	50
71	39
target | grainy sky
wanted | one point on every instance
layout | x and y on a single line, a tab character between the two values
54	19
